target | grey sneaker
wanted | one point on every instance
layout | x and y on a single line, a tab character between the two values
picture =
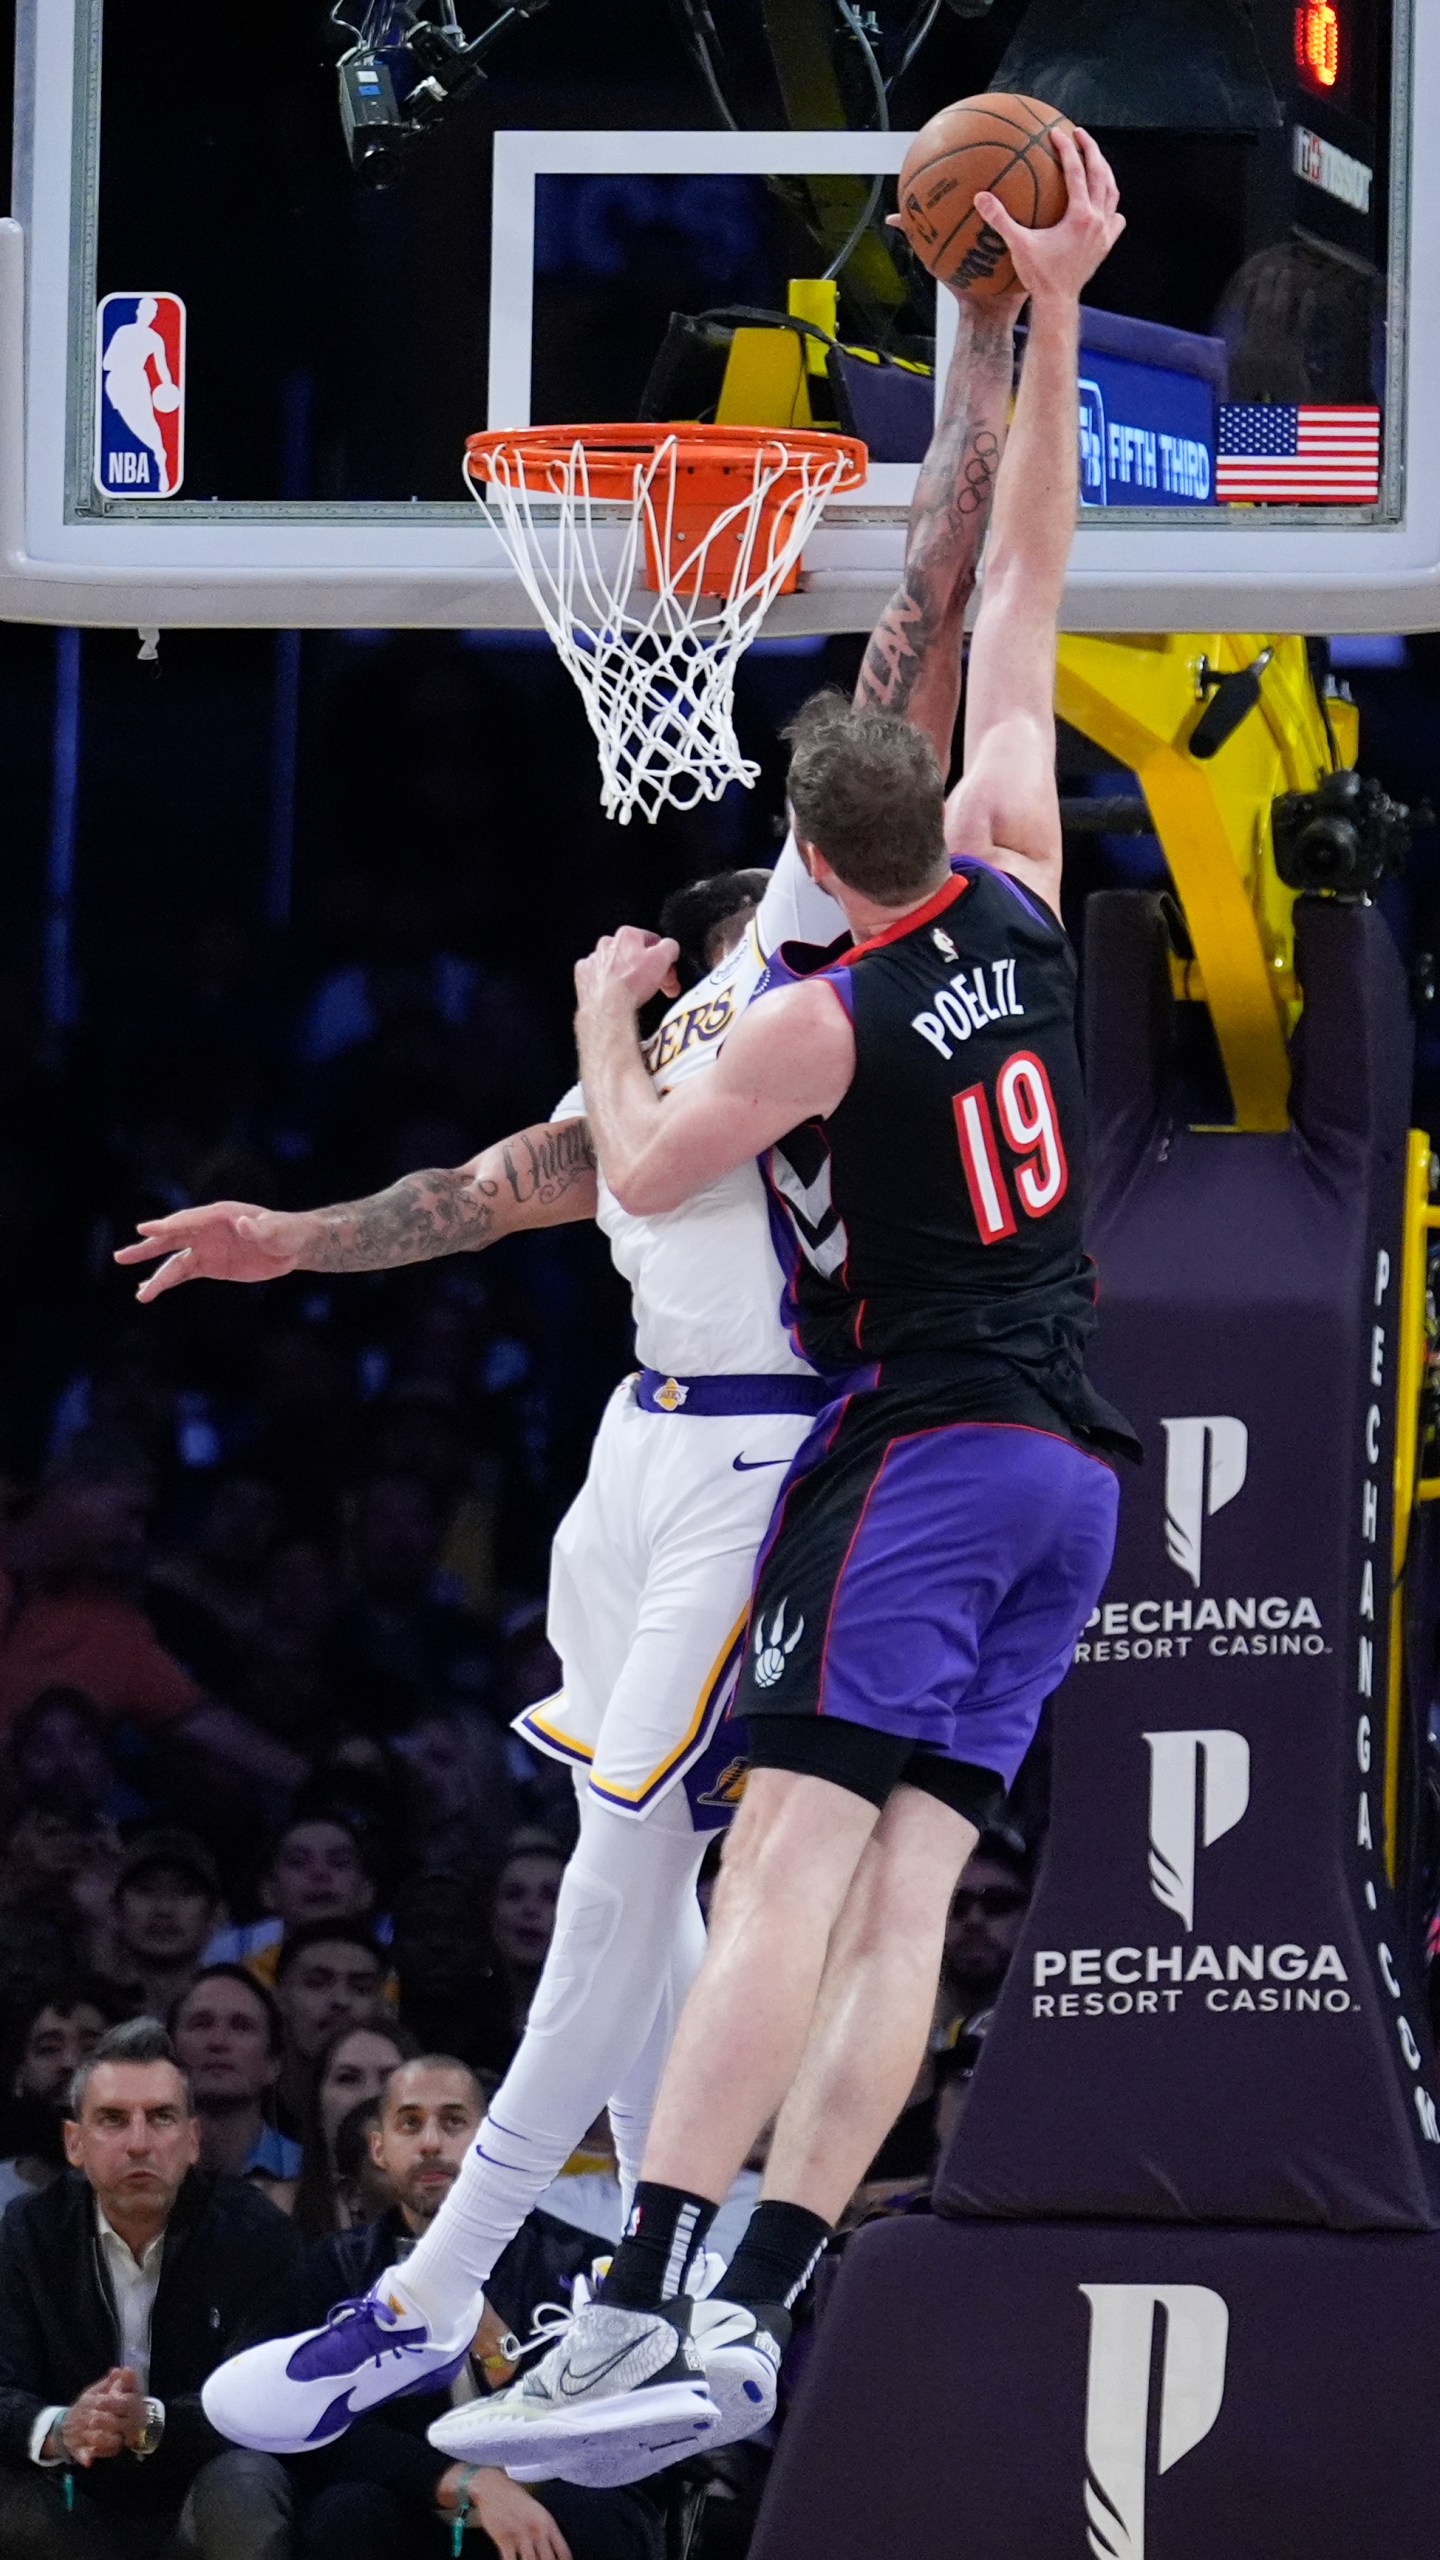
620	2395
739	2352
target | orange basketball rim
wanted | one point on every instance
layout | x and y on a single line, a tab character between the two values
652	554
734	492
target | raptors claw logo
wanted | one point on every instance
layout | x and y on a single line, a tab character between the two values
773	1651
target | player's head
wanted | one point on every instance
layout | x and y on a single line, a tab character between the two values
147	310
866	795
707	918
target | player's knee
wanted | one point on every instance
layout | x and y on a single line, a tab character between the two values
587	1922
902	1920
908	1881
788	1849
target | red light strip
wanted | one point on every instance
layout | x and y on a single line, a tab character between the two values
1317	42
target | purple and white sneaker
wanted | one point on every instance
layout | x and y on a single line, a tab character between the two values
291	2395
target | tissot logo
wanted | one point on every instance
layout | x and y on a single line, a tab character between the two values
1206	1455
1121	2419
1199	1790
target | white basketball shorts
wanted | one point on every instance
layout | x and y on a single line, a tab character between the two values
650	1588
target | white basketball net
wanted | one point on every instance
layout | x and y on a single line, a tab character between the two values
656	673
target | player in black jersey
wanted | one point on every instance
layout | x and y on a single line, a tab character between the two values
944	1533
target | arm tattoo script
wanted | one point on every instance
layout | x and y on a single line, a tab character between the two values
938	575
546	1168
417	1219
948	519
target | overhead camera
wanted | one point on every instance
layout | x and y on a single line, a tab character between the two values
1344	838
404	74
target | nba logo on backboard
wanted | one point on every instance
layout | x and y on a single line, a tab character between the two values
1094	487
139	395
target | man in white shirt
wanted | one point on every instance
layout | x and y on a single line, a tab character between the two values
119	2289
652	1566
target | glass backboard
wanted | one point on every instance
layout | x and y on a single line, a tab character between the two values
1260	404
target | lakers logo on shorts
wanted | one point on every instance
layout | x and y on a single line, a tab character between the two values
729	1787
772	1652
671	1396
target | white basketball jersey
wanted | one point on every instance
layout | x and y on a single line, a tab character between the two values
705	1280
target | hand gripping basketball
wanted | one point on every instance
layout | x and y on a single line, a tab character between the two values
1063	258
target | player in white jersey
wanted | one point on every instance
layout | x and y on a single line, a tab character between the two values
650	1571
652	1566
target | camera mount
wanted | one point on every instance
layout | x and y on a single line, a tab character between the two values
406	71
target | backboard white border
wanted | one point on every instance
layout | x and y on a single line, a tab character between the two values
393	566
521	158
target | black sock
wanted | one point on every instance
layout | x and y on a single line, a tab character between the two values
666	2230
776	2257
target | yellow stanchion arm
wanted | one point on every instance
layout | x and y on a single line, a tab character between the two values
1140	697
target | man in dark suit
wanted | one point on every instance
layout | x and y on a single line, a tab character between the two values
382	2492
121	2287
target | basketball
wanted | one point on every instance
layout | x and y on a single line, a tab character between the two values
165	397
999	141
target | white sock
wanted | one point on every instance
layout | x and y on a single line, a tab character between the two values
625	1904
632	2103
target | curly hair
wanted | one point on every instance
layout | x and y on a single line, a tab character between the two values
695	912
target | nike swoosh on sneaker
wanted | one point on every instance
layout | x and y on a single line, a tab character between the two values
374	2390
744	1466
571	2389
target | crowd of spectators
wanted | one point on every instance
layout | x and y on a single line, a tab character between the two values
160	2214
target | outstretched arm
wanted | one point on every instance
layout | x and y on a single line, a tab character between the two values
1006	808
912	665
786	1060
541	1177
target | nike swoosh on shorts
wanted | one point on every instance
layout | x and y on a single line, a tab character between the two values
743	1466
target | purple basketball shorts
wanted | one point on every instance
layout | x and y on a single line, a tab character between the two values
927	1578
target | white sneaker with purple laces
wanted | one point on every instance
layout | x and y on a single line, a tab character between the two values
291	2395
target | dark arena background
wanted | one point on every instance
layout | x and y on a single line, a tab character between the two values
302	837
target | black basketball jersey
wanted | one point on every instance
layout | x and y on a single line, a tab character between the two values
934	1220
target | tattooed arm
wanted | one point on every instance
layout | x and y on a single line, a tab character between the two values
1005	809
541	1177
912	666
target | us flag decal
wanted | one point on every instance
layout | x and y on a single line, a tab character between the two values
1307	456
